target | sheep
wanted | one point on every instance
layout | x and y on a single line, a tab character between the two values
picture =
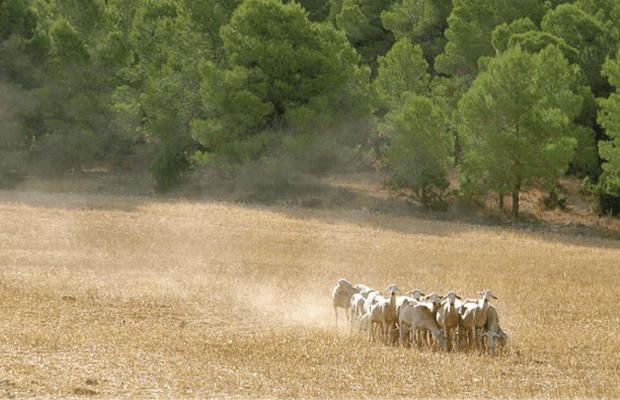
394	335
364	322
341	296
416	294
382	312
357	307
418	316
363	289
492	330
433	302
372	319
406	301
388	310
448	317
467	322
372	298
473	317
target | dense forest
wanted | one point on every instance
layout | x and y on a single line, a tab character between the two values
513	94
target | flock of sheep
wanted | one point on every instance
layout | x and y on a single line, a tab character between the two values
454	323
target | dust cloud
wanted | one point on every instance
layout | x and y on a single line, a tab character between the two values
295	309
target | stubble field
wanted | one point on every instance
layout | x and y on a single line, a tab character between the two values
125	297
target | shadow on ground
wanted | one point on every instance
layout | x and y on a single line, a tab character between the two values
355	196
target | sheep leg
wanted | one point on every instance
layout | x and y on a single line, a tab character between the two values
386	332
380	326
402	334
336	313
418	337
479	338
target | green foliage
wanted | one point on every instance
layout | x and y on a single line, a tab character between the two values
244	81
501	35
609	118
420	152
207	17
402	73
591	38
17	17
516	122
85	16
171	160
166	81
318	10
280	71
422	21
361	20
68	49
469	33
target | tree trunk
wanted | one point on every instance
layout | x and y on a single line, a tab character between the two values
501	202
515	204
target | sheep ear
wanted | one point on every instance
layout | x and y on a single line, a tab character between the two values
494	297
458	297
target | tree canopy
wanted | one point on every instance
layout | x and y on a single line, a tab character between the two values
526	90
516	122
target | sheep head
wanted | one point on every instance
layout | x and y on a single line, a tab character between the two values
392	289
416	294
450	298
487	295
435	299
491	336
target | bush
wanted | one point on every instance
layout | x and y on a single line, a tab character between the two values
172	159
12	169
420	152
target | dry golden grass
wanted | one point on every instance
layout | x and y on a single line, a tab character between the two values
112	296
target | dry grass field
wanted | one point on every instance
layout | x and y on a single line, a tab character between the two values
112	296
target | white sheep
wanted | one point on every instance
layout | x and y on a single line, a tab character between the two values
382	312
341	296
418	316
372	320
433	302
371	299
357	307
401	304
492	331
363	289
448	317
389	315
415	294
473	317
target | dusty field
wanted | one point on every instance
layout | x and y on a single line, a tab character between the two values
110	296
